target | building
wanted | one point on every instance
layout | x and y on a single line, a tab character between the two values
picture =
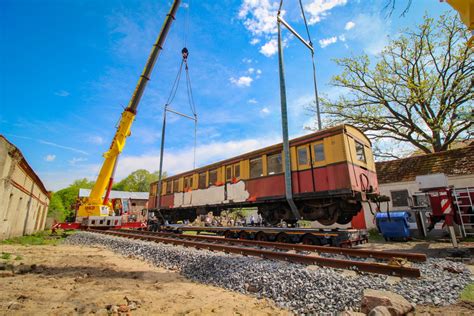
397	177
128	204
24	199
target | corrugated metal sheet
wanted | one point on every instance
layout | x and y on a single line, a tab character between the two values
118	194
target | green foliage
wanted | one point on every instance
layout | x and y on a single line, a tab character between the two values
6	255
137	181
418	91
375	236
468	293
40	238
56	208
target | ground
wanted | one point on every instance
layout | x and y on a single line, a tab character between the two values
70	280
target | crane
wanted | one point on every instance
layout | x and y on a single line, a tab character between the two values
97	206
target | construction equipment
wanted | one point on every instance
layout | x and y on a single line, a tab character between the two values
97	209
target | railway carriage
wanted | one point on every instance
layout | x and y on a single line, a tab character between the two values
333	172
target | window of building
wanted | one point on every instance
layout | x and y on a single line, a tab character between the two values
256	168
302	156
237	170
213	177
202	181
168	187
318	152
360	153
399	198
274	164
176	185
228	173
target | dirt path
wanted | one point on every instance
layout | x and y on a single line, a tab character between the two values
71	280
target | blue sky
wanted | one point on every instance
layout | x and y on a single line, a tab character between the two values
67	69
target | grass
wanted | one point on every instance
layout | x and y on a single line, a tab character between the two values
468	293
6	255
375	236
39	238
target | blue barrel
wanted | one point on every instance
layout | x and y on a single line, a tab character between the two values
394	226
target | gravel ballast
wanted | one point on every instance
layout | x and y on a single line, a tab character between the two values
297	287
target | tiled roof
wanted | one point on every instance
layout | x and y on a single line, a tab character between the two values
452	162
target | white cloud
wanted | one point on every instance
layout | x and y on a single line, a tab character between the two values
95	139
185	5
244	81
318	9
270	48
265	111
62	93
247	60
259	18
259	72
50	158
62	147
327	41
253	101
75	160
349	25
179	161
251	70
372	32
342	38
254	41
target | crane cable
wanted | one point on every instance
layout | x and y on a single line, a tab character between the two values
189	90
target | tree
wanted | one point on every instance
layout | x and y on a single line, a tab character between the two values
138	181
420	91
70	194
56	208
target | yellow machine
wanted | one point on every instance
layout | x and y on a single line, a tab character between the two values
97	207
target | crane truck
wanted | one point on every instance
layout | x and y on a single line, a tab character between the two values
97	210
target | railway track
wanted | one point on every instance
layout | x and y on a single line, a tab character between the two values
274	251
362	253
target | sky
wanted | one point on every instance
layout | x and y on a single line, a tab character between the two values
68	69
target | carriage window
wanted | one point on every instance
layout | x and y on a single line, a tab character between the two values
188	182
202	181
302	156
176	185
168	187
360	152
274	164
318	152
256	168
237	170
228	173
212	177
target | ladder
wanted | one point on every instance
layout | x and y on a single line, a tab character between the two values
463	198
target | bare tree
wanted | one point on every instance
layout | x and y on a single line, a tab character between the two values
390	7
420	90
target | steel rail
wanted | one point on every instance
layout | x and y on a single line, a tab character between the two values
370	267
363	253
